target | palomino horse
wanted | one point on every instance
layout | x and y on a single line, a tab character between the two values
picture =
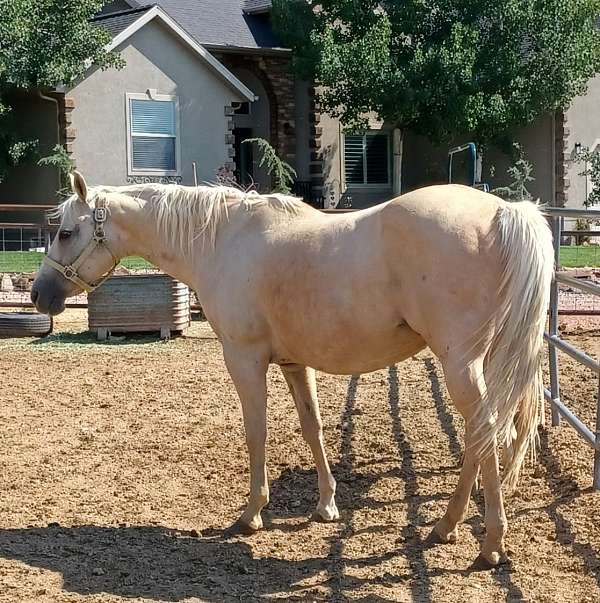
448	267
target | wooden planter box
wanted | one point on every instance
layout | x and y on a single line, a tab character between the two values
139	303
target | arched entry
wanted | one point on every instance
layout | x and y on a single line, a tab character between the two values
251	120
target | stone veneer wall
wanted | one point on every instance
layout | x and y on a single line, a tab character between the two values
275	75
561	139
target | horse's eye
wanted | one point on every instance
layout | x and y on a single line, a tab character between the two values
63	235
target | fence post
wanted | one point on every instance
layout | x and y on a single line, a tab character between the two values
553	327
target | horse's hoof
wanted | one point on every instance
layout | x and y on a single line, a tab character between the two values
445	536
491	559
245	528
326	514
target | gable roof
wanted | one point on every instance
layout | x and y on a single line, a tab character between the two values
118	21
123	24
243	24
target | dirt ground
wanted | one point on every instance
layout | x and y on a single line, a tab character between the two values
123	463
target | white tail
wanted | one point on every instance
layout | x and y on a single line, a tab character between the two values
513	377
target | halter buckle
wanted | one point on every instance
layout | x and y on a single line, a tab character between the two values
69	272
100	215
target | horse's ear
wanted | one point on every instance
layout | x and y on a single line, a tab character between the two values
78	185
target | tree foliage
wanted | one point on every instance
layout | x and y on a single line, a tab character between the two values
43	44
281	172
444	67
591	162
520	174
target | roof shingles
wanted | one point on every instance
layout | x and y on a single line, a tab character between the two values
117	22
222	22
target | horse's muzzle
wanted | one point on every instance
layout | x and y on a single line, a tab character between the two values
48	295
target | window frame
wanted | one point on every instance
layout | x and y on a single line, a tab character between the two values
364	184
130	96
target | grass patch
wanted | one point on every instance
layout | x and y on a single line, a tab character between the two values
576	256
135	263
30	261
20	261
572	256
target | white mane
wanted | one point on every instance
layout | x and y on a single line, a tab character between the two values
185	213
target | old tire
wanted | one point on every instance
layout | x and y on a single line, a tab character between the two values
24	324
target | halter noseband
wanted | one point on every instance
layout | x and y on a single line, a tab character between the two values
71	271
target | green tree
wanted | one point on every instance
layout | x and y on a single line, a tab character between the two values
444	68
281	172
43	44
520	174
591	162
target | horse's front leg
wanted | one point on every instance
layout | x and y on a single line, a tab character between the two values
447	527
303	387
248	369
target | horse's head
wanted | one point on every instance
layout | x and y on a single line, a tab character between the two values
81	255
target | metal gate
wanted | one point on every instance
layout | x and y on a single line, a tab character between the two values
555	343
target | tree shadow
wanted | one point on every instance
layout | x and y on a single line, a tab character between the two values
502	574
154	563
89	338
414	546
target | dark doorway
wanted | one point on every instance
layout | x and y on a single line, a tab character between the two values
244	161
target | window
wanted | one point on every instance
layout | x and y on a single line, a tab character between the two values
153	145
242	108
367	159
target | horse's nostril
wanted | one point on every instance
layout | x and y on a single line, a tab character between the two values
34	295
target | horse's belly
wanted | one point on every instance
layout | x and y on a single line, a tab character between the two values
353	352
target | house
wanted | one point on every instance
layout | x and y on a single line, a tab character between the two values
201	77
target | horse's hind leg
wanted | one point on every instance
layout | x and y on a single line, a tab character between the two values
248	369
466	386
302	384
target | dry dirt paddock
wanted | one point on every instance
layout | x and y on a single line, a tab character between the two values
122	463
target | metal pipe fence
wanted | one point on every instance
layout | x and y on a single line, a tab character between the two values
556	343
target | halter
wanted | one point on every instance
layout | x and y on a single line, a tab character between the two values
70	272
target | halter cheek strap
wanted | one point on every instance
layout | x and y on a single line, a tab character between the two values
71	271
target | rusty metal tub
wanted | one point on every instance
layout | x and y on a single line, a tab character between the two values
139	303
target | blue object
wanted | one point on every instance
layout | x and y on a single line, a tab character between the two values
461	164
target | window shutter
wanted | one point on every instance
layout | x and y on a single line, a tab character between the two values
378	162
150	153
354	156
153	117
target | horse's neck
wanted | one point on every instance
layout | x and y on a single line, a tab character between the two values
142	238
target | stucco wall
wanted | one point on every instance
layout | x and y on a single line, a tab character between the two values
333	170
425	164
583	124
154	59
